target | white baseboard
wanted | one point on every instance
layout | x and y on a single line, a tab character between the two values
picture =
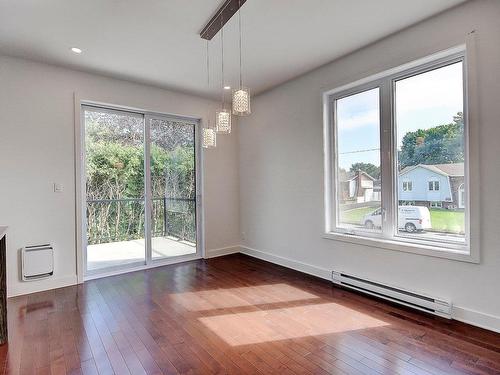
475	318
27	287
289	263
213	253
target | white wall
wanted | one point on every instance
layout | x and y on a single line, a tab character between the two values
281	170
37	149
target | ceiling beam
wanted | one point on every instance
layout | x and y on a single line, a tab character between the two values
223	14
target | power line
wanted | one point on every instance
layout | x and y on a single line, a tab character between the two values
358	151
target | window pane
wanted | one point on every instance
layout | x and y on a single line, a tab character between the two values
430	141
173	188
358	161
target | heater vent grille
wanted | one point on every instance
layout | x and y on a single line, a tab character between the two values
37	262
404	297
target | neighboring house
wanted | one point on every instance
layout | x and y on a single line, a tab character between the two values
438	185
360	187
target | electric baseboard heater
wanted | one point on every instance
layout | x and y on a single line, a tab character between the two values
37	262
414	300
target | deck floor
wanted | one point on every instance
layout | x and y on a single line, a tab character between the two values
234	315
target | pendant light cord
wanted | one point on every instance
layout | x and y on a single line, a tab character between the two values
222	63
239	25
208	69
208	81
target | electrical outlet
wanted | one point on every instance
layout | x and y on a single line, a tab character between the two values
58	188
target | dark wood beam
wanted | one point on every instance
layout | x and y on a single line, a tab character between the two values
223	14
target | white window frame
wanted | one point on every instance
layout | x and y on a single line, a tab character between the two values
407	185
407	203
388	238
434	184
436	204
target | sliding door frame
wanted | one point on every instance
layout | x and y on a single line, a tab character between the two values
148	117
80	182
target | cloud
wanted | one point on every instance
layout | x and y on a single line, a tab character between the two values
369	118
435	89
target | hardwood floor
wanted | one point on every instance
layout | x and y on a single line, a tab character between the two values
234	315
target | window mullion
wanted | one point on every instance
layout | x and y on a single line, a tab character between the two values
387	159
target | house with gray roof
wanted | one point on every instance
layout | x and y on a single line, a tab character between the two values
436	186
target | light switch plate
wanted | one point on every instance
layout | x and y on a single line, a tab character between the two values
58	188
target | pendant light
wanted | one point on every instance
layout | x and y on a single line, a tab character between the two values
241	96
209	137
223	117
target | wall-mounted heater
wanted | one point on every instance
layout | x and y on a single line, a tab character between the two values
397	295
37	262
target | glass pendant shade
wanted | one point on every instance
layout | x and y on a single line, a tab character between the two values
241	102
209	138
223	122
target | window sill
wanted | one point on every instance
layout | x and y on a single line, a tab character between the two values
420	249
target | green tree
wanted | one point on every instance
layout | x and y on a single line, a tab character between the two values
441	144
369	168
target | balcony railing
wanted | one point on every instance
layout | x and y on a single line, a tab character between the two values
111	220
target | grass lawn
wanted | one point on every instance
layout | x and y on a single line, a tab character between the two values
442	220
447	220
354	216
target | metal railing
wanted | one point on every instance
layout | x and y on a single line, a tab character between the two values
111	220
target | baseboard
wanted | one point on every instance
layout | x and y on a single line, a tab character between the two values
213	253
27	287
289	263
475	318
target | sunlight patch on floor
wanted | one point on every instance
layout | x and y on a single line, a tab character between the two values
287	323
240	297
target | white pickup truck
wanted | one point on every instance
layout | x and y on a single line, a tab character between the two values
410	218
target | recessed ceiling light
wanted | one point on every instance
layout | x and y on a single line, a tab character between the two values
76	50
227	87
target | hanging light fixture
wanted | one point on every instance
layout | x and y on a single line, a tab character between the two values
241	96
223	117
209	137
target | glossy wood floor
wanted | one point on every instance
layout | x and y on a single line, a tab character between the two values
232	315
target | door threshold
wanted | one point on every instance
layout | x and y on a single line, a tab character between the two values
154	264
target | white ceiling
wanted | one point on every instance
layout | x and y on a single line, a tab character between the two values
157	42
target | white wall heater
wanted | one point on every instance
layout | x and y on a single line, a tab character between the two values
417	301
37	262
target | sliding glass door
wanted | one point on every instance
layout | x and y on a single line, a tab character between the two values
115	189
172	177
140	184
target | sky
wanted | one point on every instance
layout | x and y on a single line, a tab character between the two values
422	102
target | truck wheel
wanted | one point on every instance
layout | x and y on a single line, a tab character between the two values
410	227
369	224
